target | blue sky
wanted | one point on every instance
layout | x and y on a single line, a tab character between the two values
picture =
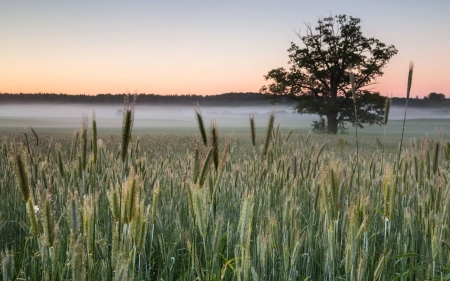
201	47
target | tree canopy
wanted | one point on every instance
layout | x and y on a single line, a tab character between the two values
318	78
436	96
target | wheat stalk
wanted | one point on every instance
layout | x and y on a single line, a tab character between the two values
252	129
408	91
127	124
269	132
94	137
20	169
8	270
84	127
215	144
352	82
48	221
200	123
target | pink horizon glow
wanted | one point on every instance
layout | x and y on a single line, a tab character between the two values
201	47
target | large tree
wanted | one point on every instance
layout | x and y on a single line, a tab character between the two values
318	78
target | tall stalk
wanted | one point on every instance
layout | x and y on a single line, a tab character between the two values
94	137
408	91
201	125
252	129
127	126
84	126
387	107
352	82
269	132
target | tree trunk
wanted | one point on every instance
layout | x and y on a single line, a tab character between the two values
332	124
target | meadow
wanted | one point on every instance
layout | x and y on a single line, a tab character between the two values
260	203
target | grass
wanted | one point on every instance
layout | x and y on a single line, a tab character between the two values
297	213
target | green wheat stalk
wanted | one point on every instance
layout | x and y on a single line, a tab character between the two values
352	82
269	132
252	129
84	127
408	91
21	172
94	136
28	146
127	125
215	144
201	125
35	135
7	259
387	107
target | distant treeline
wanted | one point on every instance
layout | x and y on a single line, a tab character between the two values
431	100
227	99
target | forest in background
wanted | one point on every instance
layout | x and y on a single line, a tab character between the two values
228	99
432	100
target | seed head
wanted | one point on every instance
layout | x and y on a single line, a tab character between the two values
20	169
410	74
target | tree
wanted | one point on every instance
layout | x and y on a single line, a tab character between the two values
436	97
318	78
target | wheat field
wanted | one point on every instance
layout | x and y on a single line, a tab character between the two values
211	206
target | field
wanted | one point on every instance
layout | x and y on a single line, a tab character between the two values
173	204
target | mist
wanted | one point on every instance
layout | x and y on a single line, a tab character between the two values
110	116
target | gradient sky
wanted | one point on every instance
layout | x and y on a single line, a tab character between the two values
202	47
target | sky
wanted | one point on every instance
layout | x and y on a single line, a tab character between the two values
202	47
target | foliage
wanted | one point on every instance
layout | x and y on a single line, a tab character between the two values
318	78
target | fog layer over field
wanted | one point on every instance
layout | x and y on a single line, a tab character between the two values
58	116
69	116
